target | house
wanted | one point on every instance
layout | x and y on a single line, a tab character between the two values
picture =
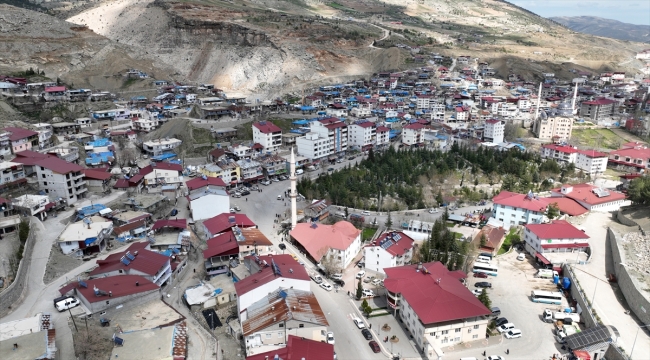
435	307
55	93
555	124
22	139
591	162
598	109
97	180
56	177
104	293
412	134
514	209
160	146
591	197
632	156
494	131
45	132
390	249
11	174
273	165
159	343
208	203
35	337
383	136
267	324
222	249
32	205
334	129
560	153
336	110
250	170
268	274
162	173
205	182
85	237
494	237
130	231
216	154
267	134
298	348
135	260
226	170
362	135
339	243
556	236
226	221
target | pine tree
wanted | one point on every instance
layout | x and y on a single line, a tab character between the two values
389	221
485	299
359	289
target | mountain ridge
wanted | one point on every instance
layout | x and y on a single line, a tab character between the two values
610	28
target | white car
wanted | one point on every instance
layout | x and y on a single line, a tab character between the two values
477	292
365	212
266	182
433	210
337	276
521	257
505	327
359	323
368	292
376	282
513	334
330	337
326	286
360	274
67	303
276	180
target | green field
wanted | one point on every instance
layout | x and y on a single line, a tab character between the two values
596	139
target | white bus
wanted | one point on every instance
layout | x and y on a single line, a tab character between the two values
546	297
485	268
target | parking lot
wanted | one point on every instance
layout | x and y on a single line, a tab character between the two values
511	293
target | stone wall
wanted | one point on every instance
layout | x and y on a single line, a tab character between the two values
614	353
579	295
632	289
624	219
12	294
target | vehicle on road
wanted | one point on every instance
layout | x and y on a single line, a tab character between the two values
282	246
374	346
237	208
275	180
513	334
299	172
336	276
357	217
232	210
338	161
174	212
546	297
485	268
550	316
366	334
365	212
283	177
326	286
360	274
500	321
521	257
236	195
546	273
483	259
279	197
367	292
483	284
359	323
67	303
481	275
330	169
495	311
294	257
266	182
351	158
340	283
330	337
433	210
477	292
245	192
376	282
505	327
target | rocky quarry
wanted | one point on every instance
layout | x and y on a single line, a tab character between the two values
638	252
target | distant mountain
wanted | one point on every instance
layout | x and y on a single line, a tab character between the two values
605	27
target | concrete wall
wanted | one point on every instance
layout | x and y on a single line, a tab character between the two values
624	219
14	292
613	353
114	303
632	289
579	295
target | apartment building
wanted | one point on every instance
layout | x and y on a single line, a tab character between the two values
160	146
494	131
267	134
598	109
314	146
333	129
362	135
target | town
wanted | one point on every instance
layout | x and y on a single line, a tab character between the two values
428	213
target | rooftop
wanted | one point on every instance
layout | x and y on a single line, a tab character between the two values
80	231
223	244
266	127
560	148
298	348
19	133
567	206
223	222
144	261
285	267
200	182
317	239
116	286
395	243
556	229
435	293
589	194
528	202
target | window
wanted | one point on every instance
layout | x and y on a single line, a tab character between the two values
458	330
475	327
268	336
432	334
457	339
301	325
68	243
445	332
474	336
281	325
280	334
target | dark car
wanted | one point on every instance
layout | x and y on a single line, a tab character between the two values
500	321
483	284
330	169
245	192
282	247
374	346
340	283
481	275
174	212
351	158
366	334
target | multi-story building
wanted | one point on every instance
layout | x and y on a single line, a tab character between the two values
597	109
591	162
85	237
494	131
339	243
591	197
514	209
273	165
412	134
5	143
59	178
160	146
145	124
314	146
435	307
390	249
632	156
555	126
383	136
267	134
10	173
560	153
136	260
45	132
556	236
33	205
251	170
22	139
333	129
362	135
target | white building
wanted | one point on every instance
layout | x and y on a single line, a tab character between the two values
45	132
557	236
592	197
362	134
267	134
494	131
59	178
339	243
10	172
208	203
163	176
412	134
383	136
388	250
360	112
514	209
160	146
85	237
591	162
333	129
31	205
314	146
560	153
250	170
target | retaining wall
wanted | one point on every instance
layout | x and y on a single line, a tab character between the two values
624	219
14	292
579	295
630	286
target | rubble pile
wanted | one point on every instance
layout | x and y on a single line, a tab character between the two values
638	247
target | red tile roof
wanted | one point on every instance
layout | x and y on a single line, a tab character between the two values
129	226
177	224
200	182
220	223
642	153
340	124
382	129
522	201
592	153
557	229
492	121
289	268
160	166
121	285
146	261
366	124
59	166
399	247
267	127
493	236
564	149
19	133
221	245
55	89
297	349
567	206
585	193
435	294
217	153
318	239
565	246
601	101
96	175
414	126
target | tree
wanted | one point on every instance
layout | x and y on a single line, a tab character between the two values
483	240
371	155
359	289
389	221
553	211
346	211
367	310
639	190
364	304
485	299
330	264
439	198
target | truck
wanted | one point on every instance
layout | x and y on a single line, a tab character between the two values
550	316
357	217
564	330
546	273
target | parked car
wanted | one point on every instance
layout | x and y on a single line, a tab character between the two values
505	327
433	210
500	321
338	161
521	257
245	192
236	195
368	292
266	182
495	357
336	276
330	337
67	303
365	212
481	275
477	292
483	284
326	286
237	208
376	282
359	323
275	180
374	346
279	197
366	334
360	274
340	283
513	334
174	212
330	169
351	158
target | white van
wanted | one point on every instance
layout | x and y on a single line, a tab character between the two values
483	259
299	171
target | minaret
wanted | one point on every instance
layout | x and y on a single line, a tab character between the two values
293	194
539	99
573	102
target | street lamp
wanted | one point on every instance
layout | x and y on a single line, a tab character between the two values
635	336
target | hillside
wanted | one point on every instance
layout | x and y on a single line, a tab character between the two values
606	27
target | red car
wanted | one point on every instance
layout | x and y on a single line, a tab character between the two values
374	346
481	275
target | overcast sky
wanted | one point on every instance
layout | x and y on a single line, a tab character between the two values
629	11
